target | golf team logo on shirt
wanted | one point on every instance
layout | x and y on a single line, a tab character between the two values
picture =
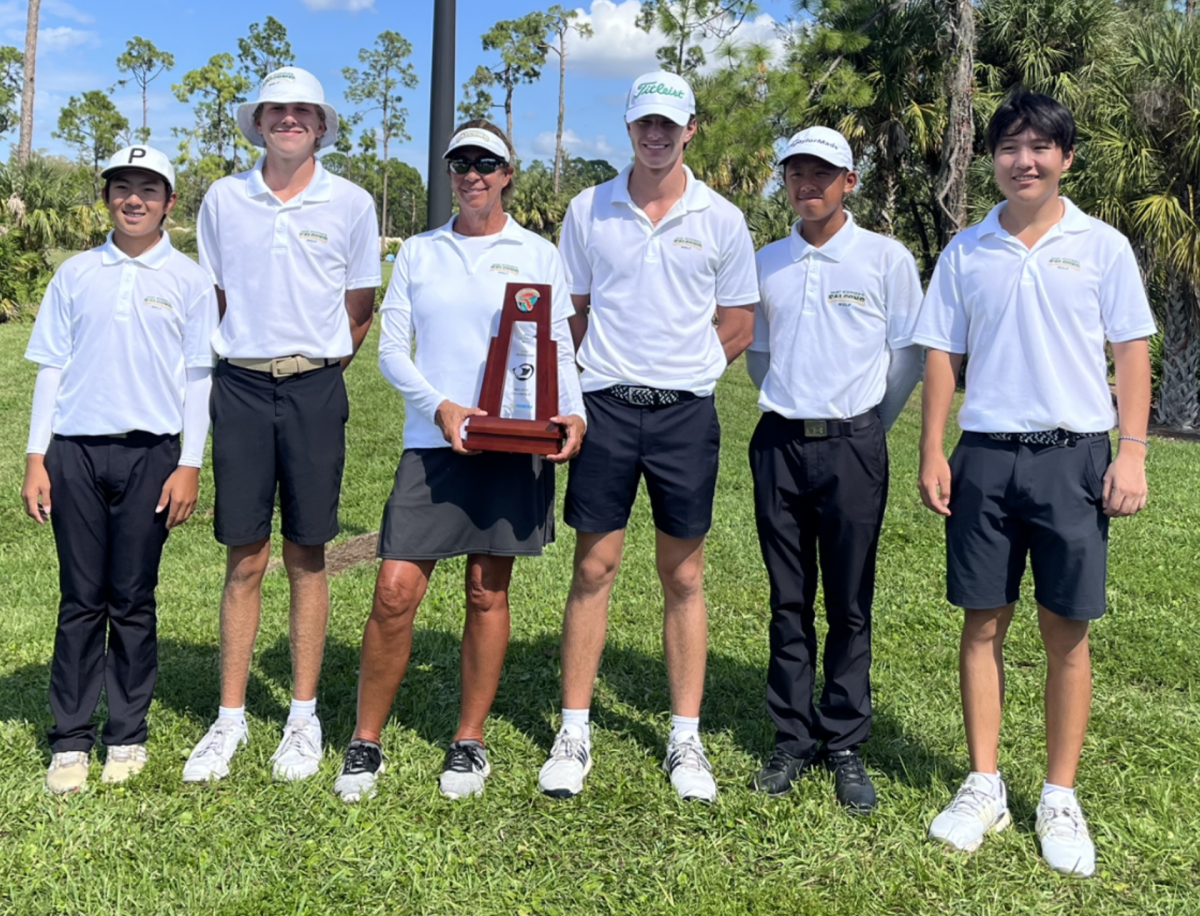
311	235
527	299
846	298
682	241
499	268
158	303
1065	264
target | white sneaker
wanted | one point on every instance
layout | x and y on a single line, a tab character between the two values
299	753
570	761
210	759
689	769
973	814
68	772
361	769
1066	845
123	761
464	770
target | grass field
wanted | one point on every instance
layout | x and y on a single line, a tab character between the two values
247	846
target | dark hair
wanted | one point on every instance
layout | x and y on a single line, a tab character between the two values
485	124
1047	117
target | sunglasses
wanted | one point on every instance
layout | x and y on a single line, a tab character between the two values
484	165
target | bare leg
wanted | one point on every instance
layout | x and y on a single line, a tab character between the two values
597	558
241	605
309	614
685	619
485	640
1068	693
981	681
387	641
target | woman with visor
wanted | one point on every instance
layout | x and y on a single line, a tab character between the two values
445	295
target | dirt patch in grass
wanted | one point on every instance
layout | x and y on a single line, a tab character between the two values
339	558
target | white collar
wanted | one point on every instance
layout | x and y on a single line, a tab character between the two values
1073	220
153	258
696	195
835	249
511	232
319	188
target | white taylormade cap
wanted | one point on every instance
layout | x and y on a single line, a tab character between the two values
144	158
661	93
288	84
824	143
477	136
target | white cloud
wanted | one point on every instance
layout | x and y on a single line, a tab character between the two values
596	147
352	6
64	10
57	38
13	14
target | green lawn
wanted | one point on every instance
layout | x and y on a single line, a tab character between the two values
246	846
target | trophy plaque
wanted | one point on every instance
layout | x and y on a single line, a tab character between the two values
520	379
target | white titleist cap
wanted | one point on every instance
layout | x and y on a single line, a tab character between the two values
824	143
477	136
288	84
661	93
144	158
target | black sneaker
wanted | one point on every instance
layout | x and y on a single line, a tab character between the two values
778	774
464	769
361	769
850	781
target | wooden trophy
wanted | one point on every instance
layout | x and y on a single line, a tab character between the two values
520	379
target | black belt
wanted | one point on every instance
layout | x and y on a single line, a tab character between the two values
640	396
832	429
1058	436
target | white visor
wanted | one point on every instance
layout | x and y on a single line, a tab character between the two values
477	136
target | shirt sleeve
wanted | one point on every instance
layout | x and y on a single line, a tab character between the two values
199	324
363	270
903	301
942	320
208	241
395	344
572	245
762	324
195	416
1124	308
570	396
41	419
51	341
737	280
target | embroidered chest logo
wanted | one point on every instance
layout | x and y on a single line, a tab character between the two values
510	269
846	298
311	235
682	241
1065	264
159	303
527	299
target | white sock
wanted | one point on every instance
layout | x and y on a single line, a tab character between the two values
233	712
579	719
1062	792
684	725
304	708
992	780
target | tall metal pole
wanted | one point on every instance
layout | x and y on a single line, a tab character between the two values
441	111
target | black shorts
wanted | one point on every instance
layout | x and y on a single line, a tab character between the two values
287	432
1007	500
676	447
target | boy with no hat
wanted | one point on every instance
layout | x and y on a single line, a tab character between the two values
294	254
122	342
1032	294
833	357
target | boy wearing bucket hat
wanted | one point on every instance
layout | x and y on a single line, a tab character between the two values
294	254
651	257
834	360
122	342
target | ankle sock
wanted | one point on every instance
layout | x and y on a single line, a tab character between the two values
233	712
684	725
304	708
1062	793
579	719
993	781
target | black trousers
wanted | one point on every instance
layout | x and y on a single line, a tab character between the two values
819	502
104	490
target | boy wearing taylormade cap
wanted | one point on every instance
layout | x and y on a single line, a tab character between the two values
294	254
653	254
832	338
1032	293
122	341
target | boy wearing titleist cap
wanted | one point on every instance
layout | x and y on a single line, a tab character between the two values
122	339
651	256
1032	293
294	254
832	337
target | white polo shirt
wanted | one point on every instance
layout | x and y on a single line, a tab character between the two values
124	331
1034	321
829	317
655	289
445	296
285	267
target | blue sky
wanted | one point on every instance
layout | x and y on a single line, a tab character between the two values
79	42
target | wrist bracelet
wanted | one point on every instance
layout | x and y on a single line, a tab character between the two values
1134	439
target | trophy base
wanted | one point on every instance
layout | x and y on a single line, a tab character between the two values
500	434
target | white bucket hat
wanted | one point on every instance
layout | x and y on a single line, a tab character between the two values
143	158
288	84
661	93
825	143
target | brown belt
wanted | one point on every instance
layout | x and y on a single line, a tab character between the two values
283	365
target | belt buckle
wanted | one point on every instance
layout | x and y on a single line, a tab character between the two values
284	366
816	429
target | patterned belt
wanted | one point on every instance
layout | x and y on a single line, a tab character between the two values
1044	437
649	397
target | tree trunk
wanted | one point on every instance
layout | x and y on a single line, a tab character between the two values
145	137
959	138
25	140
508	94
383	220
1178	392
562	109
